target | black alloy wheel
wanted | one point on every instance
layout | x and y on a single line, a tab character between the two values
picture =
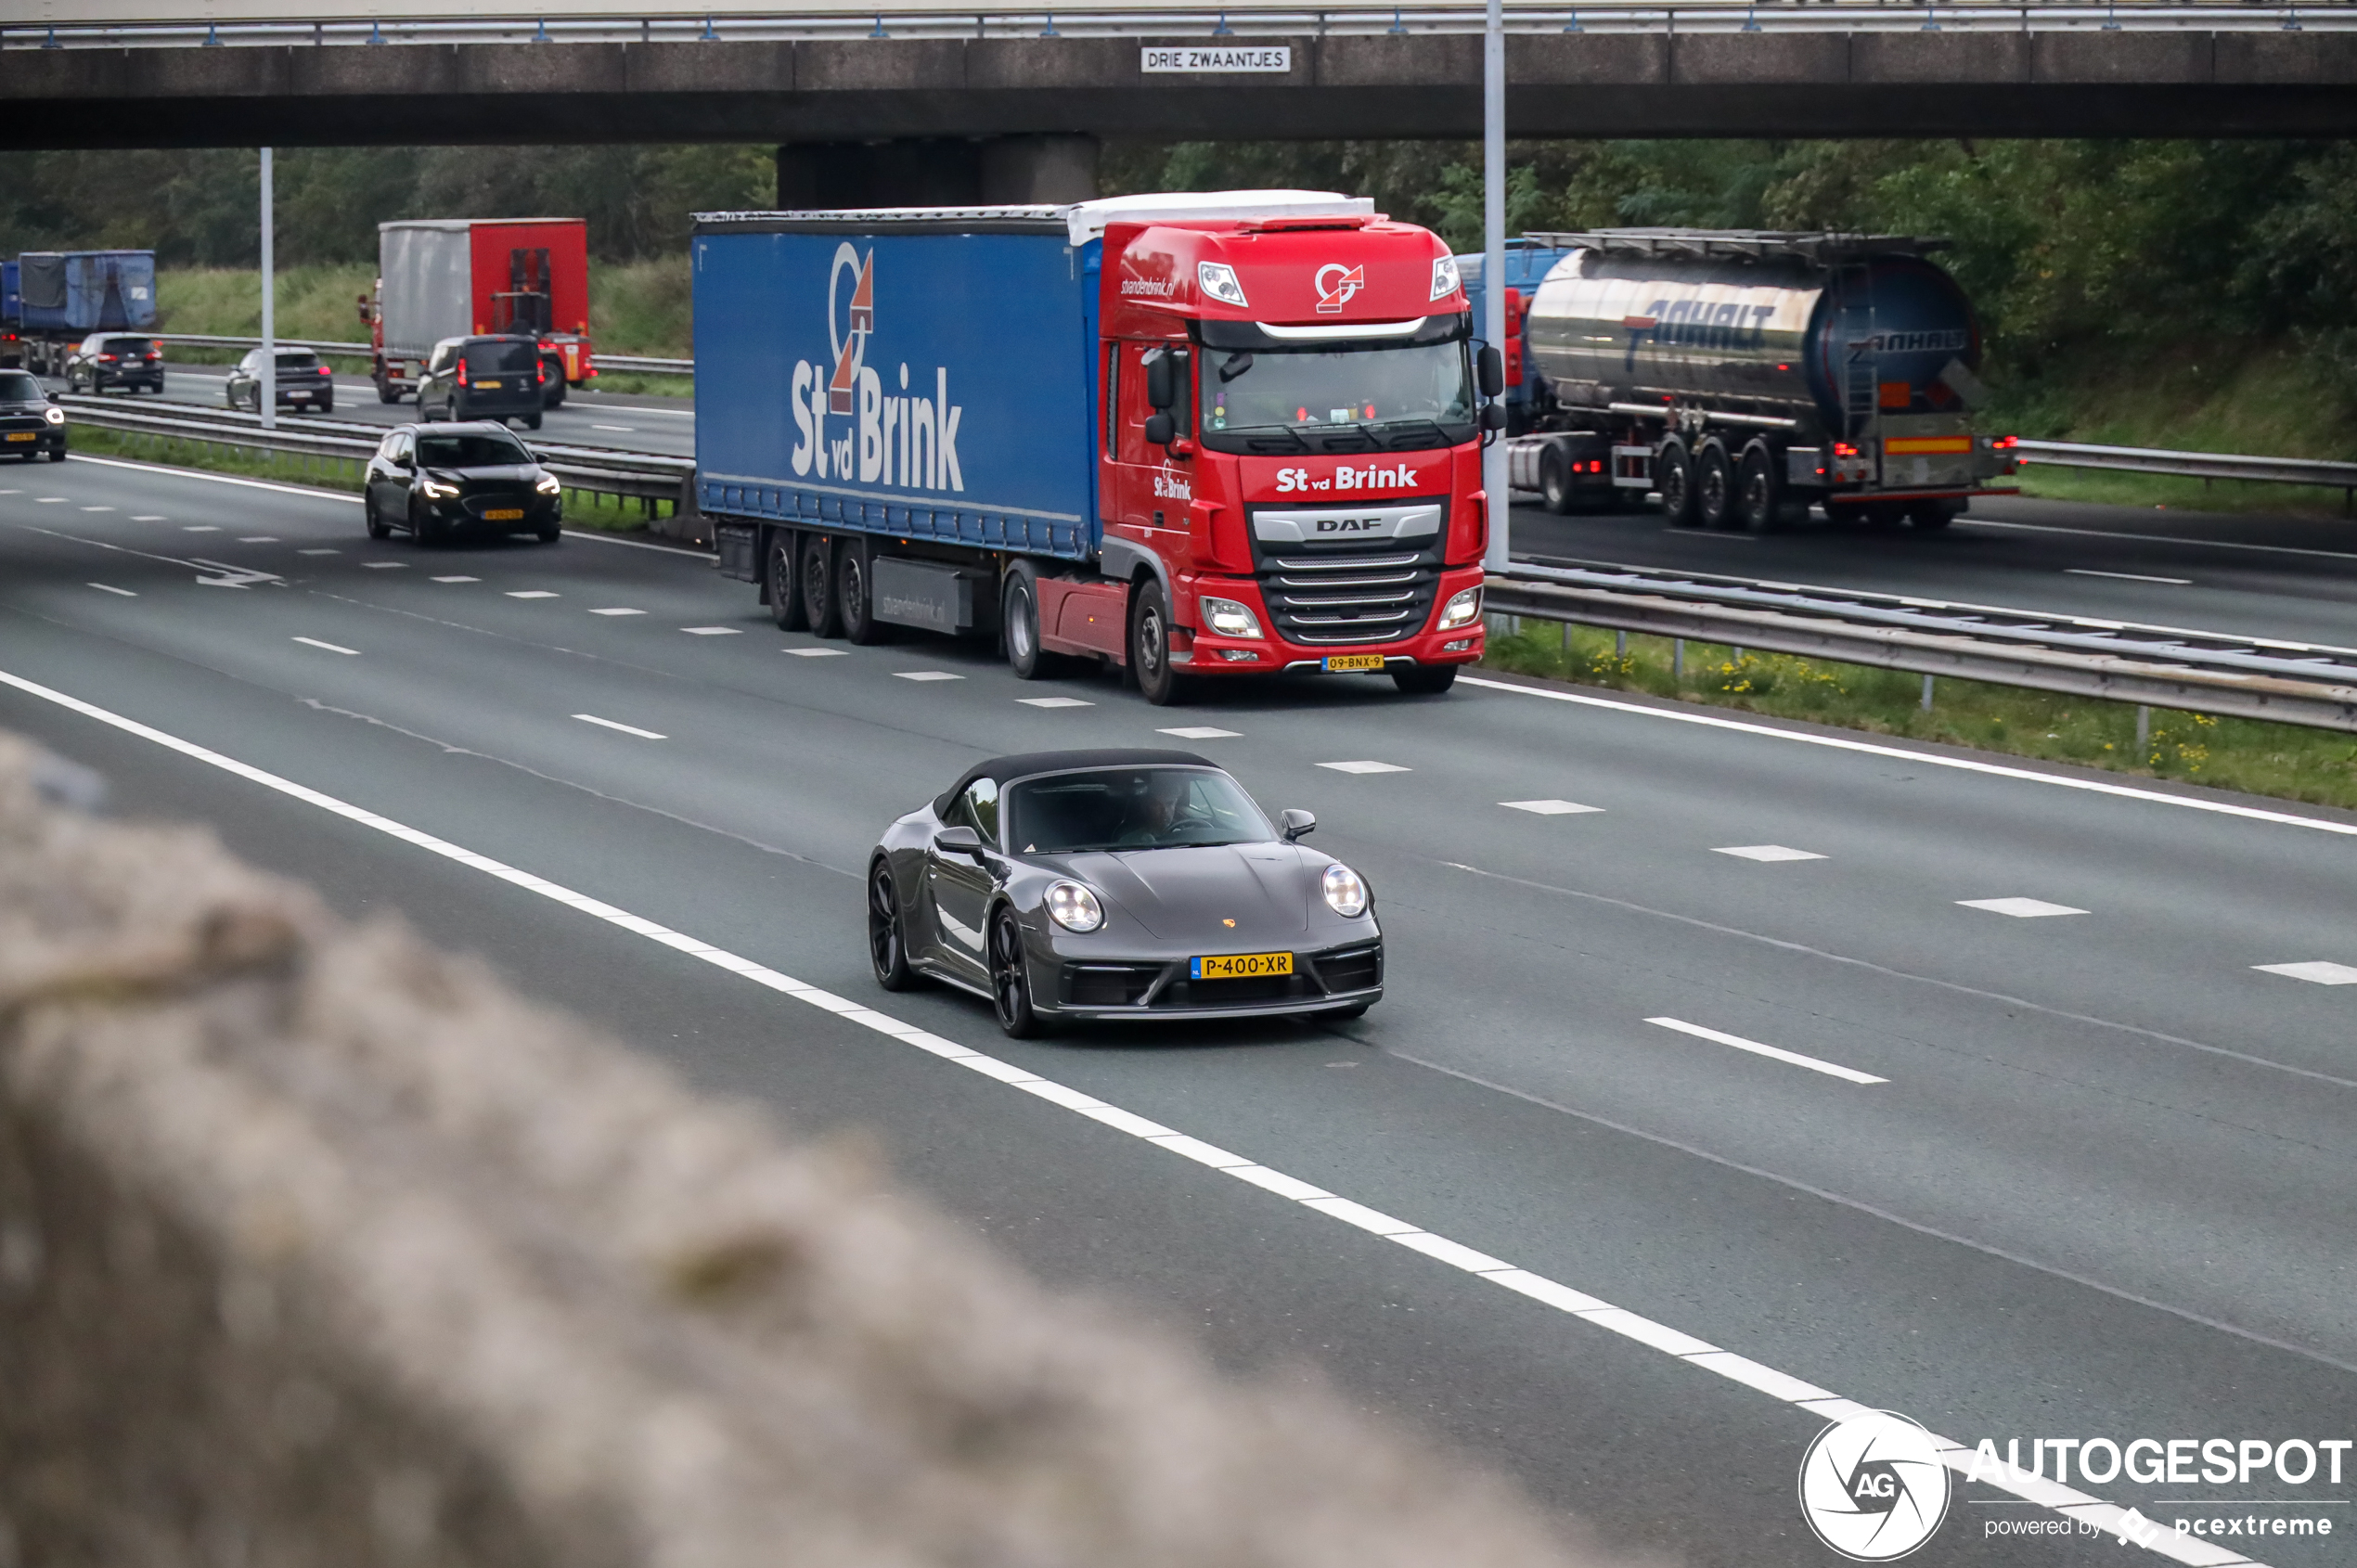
1555	480
1158	681
1714	485
1759	502
424	527
1424	680
860	626
887	936
378	529
785	589
818	579
550	532
1674	477
1011	979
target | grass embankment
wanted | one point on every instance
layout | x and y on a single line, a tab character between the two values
2260	399
635	308
581	509
2286	761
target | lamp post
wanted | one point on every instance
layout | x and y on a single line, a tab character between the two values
1493	265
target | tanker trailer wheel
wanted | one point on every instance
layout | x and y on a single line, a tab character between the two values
1759	500
1713	484
1674	477
785	584
1930	515
1555	480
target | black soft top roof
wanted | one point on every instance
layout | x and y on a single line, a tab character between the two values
1024	765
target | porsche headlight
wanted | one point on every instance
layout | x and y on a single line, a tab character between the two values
55	415
549	486
1228	618
435	490
1074	907
1346	894
1462	607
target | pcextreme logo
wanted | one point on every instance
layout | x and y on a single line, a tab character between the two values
1873	1488
908	443
1338	286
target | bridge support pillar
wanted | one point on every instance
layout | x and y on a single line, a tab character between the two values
937	173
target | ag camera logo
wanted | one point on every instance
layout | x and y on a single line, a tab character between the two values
1874	1486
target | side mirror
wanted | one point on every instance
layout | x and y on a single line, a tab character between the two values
1160	393
1490	366
959	840
1296	822
405	461
1493	416
1159	429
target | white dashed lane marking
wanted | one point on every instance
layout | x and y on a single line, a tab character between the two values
457	579
106	588
386	565
711	631
1054	702
819	652
97	509
1365	767
927	675
1814	1064
257	539
617	610
2316	972
625	728
1202	732
49	500
152	518
199	528
2020	908
529	593
1781	1386
331	648
321	552
1546	808
1768	853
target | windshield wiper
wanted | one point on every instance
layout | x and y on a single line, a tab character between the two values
1399	429
1262	432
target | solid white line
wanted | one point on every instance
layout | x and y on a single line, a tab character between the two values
625	728
1815	1064
1601	1313
2127	576
218	478
618	430
1963	765
604	538
314	642
2152	538
103	588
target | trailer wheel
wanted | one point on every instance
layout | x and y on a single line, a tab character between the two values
785	588
1713	484
1158	680
1759	500
1554	482
387	392
852	598
1930	515
817	582
1674	477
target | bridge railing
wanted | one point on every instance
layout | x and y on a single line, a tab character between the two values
640	22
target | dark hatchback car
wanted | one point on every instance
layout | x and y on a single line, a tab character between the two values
1118	885
114	359
483	378
303	383
30	423
437	481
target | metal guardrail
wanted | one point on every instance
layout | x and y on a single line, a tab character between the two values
644	363
2289	683
2197	465
644	476
692	20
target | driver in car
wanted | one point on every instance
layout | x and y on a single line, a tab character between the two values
1158	809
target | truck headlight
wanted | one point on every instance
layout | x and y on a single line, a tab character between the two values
1464	606
1228	618
549	486
55	415
1074	907
1445	280
435	490
1346	894
1220	280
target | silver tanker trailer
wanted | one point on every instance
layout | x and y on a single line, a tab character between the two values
1744	376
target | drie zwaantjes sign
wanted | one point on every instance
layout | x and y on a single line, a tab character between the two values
1188	60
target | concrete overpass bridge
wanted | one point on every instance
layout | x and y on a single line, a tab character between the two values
926	103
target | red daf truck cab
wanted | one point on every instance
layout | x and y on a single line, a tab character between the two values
1289	449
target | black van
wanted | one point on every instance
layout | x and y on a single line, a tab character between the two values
482	378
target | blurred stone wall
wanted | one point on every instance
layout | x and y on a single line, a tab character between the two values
319	1250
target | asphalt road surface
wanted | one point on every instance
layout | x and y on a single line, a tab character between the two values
2058	1160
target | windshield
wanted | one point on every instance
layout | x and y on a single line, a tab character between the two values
498	359
484	451
1133	808
128	348
1356	399
18	387
298	360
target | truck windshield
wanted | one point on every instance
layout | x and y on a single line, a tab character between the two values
1359	399
1133	808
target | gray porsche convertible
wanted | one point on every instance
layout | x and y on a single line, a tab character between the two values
1129	884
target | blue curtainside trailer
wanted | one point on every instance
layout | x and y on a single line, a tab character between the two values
62	296
917	381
